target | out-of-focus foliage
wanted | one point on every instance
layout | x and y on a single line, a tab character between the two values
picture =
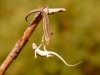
76	37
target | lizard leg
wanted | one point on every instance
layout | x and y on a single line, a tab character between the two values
36	50
35	55
48	55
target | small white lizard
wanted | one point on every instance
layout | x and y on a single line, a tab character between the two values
46	53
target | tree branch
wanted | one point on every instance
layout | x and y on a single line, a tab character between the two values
20	44
24	39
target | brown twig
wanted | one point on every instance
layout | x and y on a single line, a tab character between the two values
23	40
19	45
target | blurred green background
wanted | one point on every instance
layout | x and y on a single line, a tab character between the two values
76	37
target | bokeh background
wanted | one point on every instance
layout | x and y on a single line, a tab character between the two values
76	37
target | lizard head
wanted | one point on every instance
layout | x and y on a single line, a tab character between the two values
34	46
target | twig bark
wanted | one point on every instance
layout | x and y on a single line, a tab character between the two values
23	40
19	45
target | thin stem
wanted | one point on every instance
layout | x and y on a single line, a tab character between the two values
24	39
20	44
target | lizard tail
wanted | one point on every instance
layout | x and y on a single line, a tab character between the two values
63	59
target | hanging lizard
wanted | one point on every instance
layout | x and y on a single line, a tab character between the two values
44	11
46	53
